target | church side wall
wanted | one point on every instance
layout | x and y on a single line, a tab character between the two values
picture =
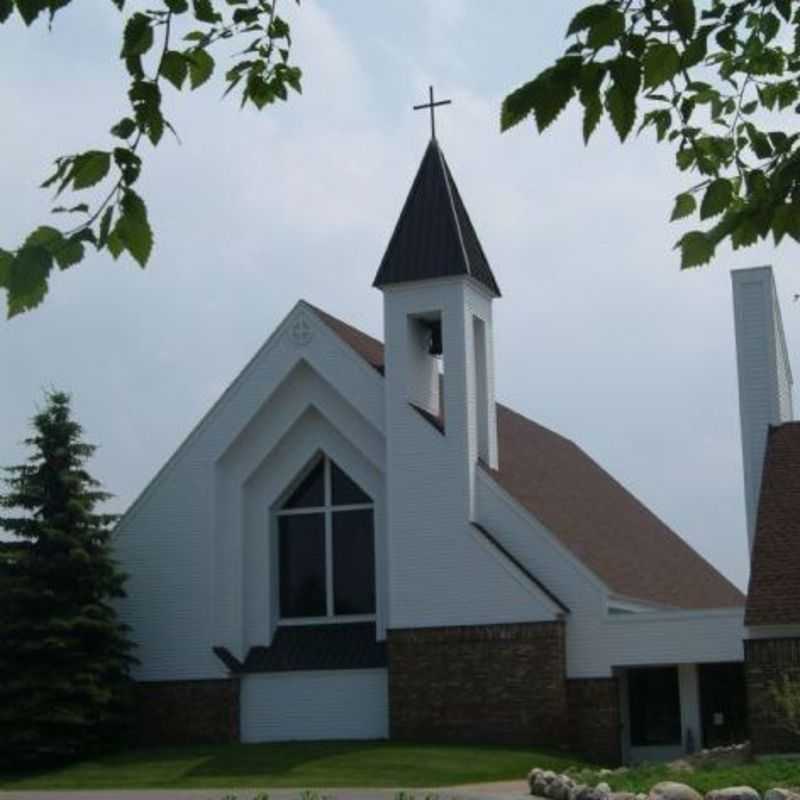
184	594
187	712
595	719
767	661
479	683
535	547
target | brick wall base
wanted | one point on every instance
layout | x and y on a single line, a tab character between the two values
485	683
767	661
595	719
187	712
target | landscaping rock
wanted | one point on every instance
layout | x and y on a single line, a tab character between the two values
734	793
576	789
603	787
558	789
537	783
587	793
781	794
625	796
670	790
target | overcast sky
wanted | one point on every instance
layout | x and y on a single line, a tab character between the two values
598	334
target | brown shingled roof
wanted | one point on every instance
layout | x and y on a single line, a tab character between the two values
774	594
632	551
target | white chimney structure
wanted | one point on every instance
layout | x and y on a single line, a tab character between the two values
765	377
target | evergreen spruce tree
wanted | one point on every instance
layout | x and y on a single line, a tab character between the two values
64	655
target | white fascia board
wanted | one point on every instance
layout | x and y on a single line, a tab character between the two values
231	391
451	280
677	615
530	519
635	605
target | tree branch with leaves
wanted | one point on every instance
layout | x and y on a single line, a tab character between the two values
118	221
714	87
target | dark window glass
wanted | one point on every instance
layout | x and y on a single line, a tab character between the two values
302	565
655	706
345	491
353	562
311	491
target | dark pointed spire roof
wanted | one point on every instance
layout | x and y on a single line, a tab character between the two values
434	237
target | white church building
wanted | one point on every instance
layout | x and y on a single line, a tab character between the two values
358	542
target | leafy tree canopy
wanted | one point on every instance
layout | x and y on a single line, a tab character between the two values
65	656
157	62
712	83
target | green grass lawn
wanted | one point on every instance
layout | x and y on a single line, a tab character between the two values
761	775
295	764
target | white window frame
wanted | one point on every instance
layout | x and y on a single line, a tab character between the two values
328	509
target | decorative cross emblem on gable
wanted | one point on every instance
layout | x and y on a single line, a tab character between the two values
302	332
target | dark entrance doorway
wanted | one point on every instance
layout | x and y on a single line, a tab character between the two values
723	704
655	706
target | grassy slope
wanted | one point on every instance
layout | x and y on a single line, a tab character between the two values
761	776
305	765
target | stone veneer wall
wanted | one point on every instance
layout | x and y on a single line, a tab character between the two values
595	720
484	683
187	712
766	661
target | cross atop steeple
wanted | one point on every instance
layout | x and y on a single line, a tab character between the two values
431	105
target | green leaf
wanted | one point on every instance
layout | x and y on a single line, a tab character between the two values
606	31
696	249
621	97
44	236
785	219
200	67
124	128
592	112
89	168
661	64
684	16
138	36
177	6
68	253
133	228
770	25
174	67
204	11
27	283
784	9
6	7
79	208
6	260
546	96
685	204
30	9
588	17
130	165
716	199
105	227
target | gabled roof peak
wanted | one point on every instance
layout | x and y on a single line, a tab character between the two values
434	237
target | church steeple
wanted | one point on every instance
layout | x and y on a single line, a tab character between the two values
434	237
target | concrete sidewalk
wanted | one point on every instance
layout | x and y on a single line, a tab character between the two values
507	790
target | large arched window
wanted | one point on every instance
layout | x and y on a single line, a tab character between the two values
326	547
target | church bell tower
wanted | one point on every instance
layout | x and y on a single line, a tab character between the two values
438	291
